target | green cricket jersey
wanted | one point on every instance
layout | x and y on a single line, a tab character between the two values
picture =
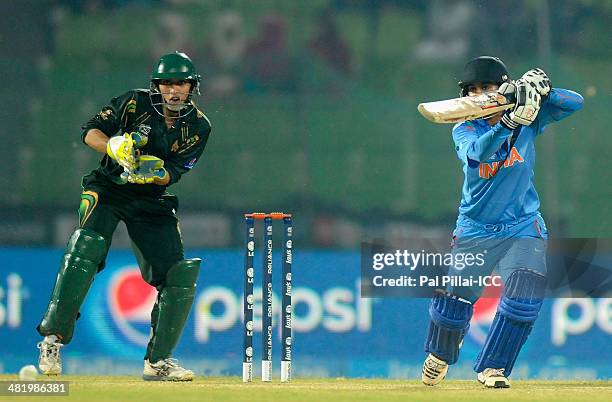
180	146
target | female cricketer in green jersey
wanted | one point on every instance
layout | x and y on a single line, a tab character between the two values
149	139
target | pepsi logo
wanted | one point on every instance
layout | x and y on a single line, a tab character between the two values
130	301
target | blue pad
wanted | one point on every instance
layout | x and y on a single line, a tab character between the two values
450	320
517	311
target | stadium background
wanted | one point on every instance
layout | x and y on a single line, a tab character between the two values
313	107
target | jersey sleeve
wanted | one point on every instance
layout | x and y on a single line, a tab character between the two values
187	155
112	116
473	149
560	103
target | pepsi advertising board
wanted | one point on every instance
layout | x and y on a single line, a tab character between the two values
336	332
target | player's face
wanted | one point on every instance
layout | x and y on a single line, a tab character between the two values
175	93
478	88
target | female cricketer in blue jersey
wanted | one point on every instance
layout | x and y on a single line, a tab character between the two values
498	215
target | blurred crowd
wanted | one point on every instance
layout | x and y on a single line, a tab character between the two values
266	59
234	62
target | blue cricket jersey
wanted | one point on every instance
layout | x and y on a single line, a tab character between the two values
498	185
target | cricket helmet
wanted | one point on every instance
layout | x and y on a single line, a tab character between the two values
174	66
483	69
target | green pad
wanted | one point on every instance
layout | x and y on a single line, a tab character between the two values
85	252
184	273
173	305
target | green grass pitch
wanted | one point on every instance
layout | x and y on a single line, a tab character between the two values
133	389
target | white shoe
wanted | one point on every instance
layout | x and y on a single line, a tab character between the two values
49	359
166	370
493	378
434	370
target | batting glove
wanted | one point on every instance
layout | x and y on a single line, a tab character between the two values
538	79
527	105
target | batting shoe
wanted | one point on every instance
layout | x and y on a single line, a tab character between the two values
434	370
49	359
493	378
166	370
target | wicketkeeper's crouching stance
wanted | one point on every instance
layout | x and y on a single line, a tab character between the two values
499	213
157	135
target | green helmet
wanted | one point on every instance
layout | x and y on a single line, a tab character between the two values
174	66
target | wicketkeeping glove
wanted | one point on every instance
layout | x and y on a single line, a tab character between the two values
538	79
150	168
121	149
526	107
140	139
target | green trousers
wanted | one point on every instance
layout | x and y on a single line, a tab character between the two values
151	223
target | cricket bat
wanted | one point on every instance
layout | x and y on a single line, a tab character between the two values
465	108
